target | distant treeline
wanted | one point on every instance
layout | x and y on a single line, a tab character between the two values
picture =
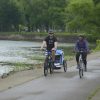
81	16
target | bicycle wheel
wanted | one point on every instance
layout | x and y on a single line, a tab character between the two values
81	70
45	68
65	65
85	68
51	68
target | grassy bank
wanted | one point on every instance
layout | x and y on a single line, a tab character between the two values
93	93
62	36
98	45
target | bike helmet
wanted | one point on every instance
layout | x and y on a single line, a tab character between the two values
50	32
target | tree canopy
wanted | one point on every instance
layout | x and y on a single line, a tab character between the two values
60	15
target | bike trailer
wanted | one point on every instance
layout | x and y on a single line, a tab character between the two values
59	57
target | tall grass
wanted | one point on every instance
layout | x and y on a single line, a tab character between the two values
98	45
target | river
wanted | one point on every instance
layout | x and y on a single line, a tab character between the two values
19	52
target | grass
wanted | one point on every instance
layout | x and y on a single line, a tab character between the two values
68	53
61	34
38	57
93	94
20	66
98	45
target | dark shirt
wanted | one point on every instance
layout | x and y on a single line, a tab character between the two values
50	42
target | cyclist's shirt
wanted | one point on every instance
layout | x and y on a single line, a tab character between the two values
50	42
81	45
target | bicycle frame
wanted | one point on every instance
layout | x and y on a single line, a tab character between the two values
48	63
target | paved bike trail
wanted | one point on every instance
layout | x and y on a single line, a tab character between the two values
59	86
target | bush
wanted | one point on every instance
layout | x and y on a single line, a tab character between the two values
92	37
98	45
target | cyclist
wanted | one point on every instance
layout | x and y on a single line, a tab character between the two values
51	43
81	44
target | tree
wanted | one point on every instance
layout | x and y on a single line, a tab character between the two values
97	18
43	14
78	15
9	15
96	1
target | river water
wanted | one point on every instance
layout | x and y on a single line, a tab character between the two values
19	52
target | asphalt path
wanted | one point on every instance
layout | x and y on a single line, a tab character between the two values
58	86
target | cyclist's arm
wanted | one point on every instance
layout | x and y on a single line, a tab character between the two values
43	44
76	47
87	47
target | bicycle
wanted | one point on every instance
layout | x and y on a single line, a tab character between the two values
48	63
65	65
81	65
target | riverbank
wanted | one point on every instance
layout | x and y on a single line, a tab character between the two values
15	79
39	36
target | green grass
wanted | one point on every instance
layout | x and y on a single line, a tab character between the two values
20	66
98	45
39	33
93	94
68	53
38	57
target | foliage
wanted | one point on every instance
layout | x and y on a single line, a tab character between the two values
40	15
98	45
83	16
9	15
78	14
92	95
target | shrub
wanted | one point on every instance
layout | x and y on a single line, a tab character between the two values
98	45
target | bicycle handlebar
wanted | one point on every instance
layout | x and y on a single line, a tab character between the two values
81	51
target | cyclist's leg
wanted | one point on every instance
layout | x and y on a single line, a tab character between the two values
45	61
53	55
77	59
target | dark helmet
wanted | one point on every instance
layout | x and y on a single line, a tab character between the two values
82	35
51	32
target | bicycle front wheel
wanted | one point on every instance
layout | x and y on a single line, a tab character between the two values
81	69
51	68
80	72
65	65
45	68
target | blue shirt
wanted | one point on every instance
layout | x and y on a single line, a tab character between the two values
81	45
